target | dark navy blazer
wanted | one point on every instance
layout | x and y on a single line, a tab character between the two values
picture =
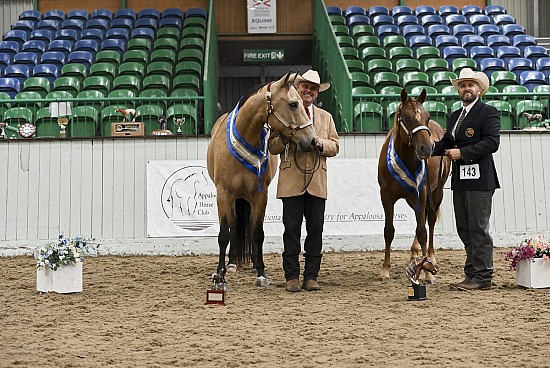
478	137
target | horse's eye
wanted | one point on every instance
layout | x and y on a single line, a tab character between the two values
294	105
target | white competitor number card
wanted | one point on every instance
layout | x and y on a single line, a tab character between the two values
469	171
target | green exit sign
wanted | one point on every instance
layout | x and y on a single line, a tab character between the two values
263	56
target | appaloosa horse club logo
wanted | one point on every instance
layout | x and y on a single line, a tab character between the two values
188	199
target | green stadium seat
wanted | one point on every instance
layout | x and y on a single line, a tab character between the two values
194	22
528	106
515	88
345	41
126	96
83	123
360	79
413	79
379	65
367	41
97	83
149	114
158	82
132	68
69	84
394	41
193	43
182	110
59	95
188	67
184	92
368	117
109	116
451	98
75	70
160	68
14	117
355	65
37	84
399	52
404	66
362	90
507	117
46	126
384	79
542	98
460	63
361	30
136	56
168	32
427	52
22	100
107	70
337	19
194	32
190	54
166	43
437	110
127	82
416	91
4	105
340	29
92	98
385	101
349	53
390	113
108	56
430	66
186	82
140	43
370	53
442	79
501	78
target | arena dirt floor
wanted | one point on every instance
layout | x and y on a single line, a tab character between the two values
149	311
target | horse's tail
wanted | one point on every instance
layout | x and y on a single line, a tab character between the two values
243	232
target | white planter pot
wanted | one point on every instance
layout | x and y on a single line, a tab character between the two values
534	275
67	279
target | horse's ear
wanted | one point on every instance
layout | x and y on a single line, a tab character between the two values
287	77
422	96
404	95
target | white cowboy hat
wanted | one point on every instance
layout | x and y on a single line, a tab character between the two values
479	77
310	76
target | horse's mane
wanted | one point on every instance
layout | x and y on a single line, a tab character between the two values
252	91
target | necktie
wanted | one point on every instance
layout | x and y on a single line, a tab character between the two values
307	112
459	122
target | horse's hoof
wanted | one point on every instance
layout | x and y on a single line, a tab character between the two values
232	268
262	281
384	278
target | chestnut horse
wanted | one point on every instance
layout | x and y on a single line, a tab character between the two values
407	170
241	167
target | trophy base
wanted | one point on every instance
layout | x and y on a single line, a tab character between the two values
215	297
417	292
162	132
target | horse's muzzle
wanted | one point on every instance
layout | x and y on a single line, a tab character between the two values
308	146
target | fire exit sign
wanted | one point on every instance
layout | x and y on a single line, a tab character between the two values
263	56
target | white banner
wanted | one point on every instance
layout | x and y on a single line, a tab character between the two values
262	16
181	201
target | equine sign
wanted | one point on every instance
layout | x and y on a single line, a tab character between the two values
262	16
181	201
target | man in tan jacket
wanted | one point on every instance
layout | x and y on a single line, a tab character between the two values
302	187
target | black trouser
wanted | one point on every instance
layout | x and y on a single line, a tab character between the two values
472	214
294	210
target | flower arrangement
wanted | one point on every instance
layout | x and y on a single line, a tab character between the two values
528	249
66	251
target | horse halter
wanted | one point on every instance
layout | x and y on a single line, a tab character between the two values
417	117
270	110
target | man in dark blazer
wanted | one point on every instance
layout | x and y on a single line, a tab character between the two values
472	136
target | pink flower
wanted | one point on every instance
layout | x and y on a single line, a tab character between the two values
545	258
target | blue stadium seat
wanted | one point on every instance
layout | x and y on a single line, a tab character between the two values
380	20
149	13
429	20
461	30
114	44
405	20
43	35
49	24
357	19
36	46
26	26
490	64
354	10
11	86
196	12
105	14
503	19
125	23
63	46
511	30
16	35
30	59
454	19
53	57
19	72
470	9
5	60
33	15
436	30
75	24
126	13
399	10
486	30
479	53
99	23
150	23
9	48
54	14
118	33
469	41
48	71
67	34
494	9
531	79
495	41
86	45
387	30
413	30
451	53
543	65
334	10
507	52
92	34
445	10
519	65
173	13
170	22
82	57
533	53
416	41
520	41
374	11
78	14
477	20
423	10
443	41
143	32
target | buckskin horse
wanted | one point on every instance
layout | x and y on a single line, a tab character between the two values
407	170
241	168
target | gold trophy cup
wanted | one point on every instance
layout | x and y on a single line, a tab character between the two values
63	126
